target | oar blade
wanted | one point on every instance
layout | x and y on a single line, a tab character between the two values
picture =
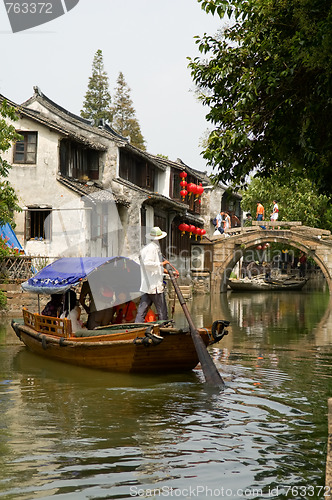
211	374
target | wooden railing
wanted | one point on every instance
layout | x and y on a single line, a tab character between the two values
47	324
19	268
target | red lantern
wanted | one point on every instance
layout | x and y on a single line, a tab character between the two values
197	232
191	188
183	184
191	229
203	232
200	189
183	193
183	228
183	175
259	247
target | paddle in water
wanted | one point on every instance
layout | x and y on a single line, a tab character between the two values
211	374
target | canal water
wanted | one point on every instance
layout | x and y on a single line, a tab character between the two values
73	433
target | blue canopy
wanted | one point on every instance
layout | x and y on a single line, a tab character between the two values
66	272
8	235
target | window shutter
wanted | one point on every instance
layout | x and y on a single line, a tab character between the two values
27	225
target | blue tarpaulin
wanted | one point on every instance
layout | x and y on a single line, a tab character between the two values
119	273
8	235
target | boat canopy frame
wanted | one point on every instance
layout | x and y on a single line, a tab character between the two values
67	272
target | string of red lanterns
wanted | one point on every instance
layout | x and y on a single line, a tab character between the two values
183	184
191	229
190	189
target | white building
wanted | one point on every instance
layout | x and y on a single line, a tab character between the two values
85	190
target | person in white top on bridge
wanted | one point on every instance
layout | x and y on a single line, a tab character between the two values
275	211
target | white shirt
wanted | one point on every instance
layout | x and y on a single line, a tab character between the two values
220	222
274	215
152	271
73	316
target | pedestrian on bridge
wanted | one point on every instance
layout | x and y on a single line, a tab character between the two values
275	211
220	222
260	213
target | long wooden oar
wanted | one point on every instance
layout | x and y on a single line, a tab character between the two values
211	374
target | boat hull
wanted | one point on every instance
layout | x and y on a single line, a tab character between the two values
128	354
253	285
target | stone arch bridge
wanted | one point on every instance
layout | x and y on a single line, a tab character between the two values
225	252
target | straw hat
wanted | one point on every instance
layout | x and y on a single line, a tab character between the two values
156	234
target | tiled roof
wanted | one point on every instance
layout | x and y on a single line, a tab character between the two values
104	130
92	191
54	125
158	198
180	165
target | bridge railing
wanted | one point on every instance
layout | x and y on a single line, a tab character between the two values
263	223
276	223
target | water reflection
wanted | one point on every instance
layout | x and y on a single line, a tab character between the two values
70	432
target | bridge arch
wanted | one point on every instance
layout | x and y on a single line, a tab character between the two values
228	251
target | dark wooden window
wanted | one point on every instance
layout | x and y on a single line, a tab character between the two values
137	170
25	150
78	161
180	244
38	223
174	187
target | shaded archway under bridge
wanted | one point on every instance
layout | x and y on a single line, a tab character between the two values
225	252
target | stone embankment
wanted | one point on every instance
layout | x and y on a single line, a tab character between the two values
16	299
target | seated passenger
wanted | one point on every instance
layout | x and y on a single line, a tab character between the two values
72	311
125	312
53	306
150	316
96	317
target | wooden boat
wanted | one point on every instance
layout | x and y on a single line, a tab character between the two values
130	348
272	284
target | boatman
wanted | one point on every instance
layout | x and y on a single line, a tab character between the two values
152	273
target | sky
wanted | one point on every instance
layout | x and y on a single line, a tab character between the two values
148	40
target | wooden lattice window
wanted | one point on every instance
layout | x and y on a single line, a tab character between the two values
25	150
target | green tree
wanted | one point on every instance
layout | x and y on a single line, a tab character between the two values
8	135
124	115
299	200
267	81
97	104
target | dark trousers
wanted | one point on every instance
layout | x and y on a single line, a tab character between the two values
147	299
260	217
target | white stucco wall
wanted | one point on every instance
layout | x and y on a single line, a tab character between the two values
163	182
37	185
